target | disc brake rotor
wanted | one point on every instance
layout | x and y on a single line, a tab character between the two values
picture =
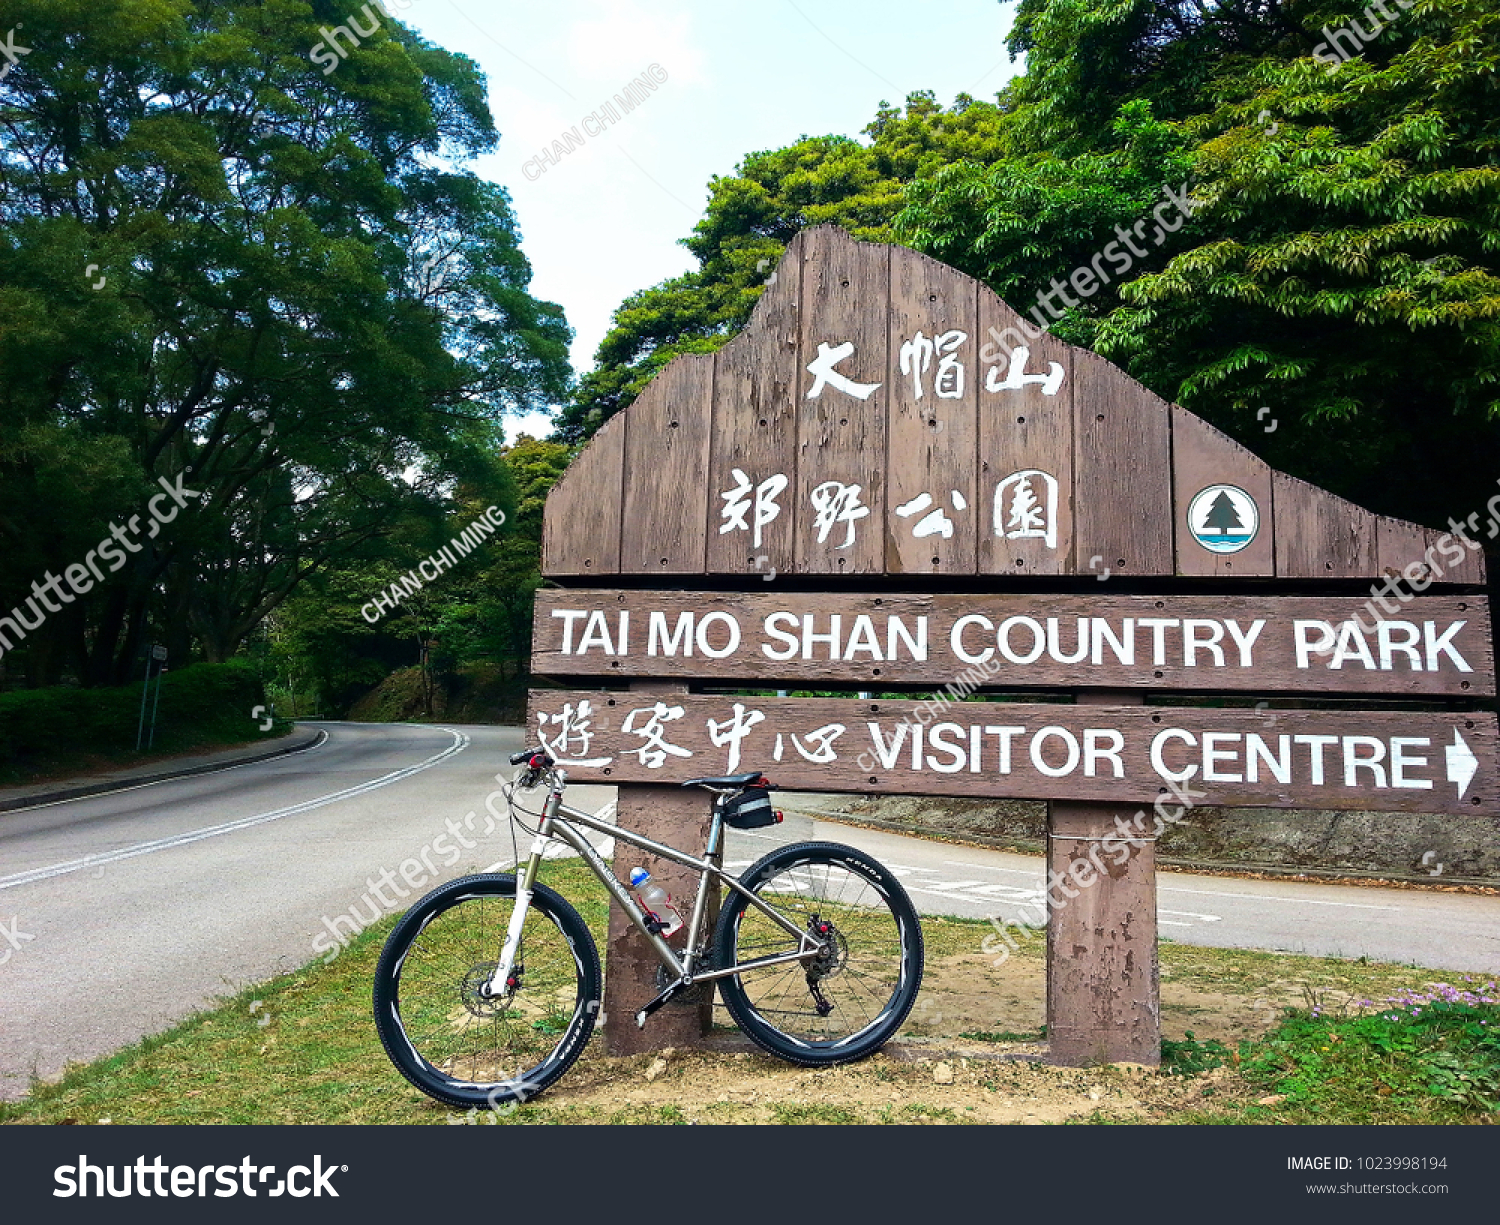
471	990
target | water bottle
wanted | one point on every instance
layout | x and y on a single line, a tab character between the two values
655	901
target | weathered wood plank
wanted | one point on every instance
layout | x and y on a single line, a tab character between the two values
841	404
1203	459
1461	563
1218	643
1025	444
581	526
1319	535
1401	547
1103	998
664	525
1122	472
1413	558
1382	761
678	818
755	434
932	503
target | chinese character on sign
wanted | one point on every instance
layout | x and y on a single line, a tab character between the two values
837	503
917	354
1017	378
823	737
935	523
732	731
653	754
823	372
745	495
570	742
1020	514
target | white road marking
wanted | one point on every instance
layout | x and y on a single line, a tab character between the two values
1269	897
1254	897
979	890
460	743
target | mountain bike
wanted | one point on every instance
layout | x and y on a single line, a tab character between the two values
488	988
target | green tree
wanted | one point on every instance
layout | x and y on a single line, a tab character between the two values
1222	514
308	304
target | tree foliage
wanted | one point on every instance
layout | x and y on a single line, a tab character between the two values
294	293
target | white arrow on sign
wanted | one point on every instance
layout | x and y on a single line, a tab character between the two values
1462	764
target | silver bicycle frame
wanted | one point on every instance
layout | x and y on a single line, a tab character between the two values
558	824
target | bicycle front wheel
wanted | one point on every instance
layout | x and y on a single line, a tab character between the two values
844	1002
449	1040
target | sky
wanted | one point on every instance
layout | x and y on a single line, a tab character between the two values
606	219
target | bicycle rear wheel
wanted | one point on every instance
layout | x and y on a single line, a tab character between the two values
448	1040
845	1002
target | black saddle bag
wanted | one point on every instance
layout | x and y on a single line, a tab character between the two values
751	809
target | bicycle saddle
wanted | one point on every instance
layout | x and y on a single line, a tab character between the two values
728	780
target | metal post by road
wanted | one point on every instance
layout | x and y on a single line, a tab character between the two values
159	653
140	727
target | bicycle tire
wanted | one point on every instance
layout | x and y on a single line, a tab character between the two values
874	966
467	1051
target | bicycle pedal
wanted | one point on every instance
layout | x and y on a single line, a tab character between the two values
644	1013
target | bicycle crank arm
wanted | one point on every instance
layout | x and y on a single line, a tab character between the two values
663	998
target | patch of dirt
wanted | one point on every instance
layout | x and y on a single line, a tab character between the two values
905	1083
968	993
931	1074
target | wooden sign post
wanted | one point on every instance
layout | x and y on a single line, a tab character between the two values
882	486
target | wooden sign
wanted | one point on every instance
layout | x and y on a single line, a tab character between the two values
1403	761
886	424
1435	645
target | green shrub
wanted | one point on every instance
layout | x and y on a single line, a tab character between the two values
1439	1047
200	704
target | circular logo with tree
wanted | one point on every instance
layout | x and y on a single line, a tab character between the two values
1223	518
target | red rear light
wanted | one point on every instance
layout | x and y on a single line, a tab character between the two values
778	816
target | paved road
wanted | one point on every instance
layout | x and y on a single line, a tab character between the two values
120	914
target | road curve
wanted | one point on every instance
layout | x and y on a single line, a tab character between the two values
127	911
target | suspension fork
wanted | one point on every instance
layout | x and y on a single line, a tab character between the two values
499	982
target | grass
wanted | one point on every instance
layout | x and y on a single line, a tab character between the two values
302	1048
1036	1035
